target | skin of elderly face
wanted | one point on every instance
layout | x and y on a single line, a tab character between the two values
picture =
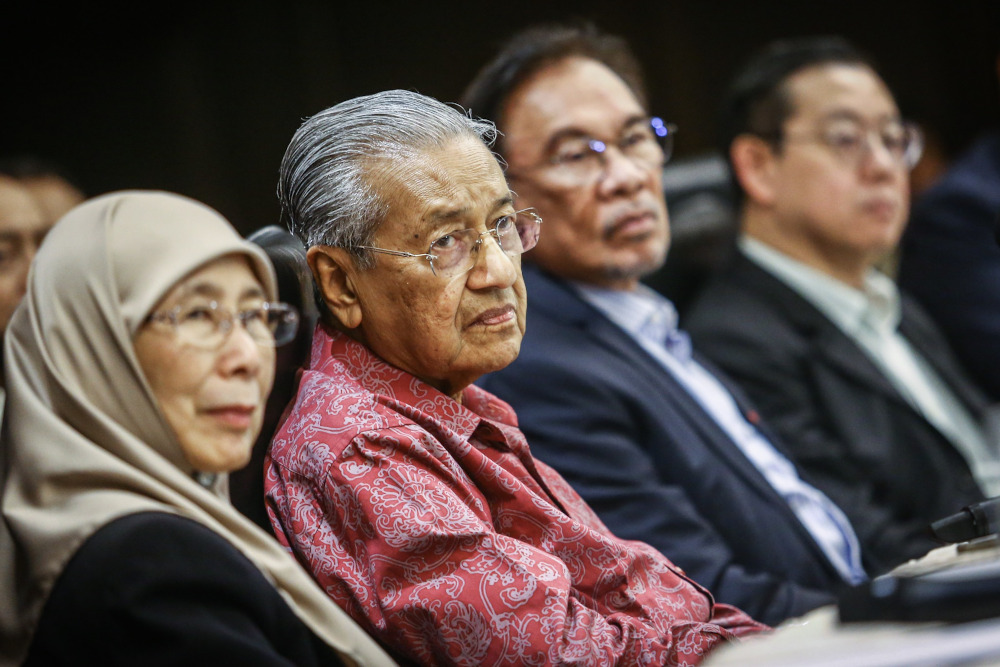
213	400
447	332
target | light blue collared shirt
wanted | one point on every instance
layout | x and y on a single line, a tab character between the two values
651	320
870	317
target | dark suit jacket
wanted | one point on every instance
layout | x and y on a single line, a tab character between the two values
950	259
850	432
649	460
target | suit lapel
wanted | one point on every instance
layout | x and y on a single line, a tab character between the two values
561	302
918	329
827	341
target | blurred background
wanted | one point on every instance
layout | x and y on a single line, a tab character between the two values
202	98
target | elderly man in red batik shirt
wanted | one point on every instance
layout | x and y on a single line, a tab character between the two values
409	493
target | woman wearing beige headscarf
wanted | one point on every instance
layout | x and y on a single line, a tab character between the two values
137	370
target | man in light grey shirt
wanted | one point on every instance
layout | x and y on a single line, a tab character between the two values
858	381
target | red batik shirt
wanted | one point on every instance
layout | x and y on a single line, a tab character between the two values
429	521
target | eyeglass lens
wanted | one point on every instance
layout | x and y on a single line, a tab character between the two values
853	142
454	254
648	143
209	325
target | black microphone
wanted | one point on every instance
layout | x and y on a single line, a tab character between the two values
974	521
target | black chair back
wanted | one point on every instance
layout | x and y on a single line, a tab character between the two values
295	286
703	225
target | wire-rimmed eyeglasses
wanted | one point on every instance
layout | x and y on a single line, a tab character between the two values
454	254
853	142
207	325
580	159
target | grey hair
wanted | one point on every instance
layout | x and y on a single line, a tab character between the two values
327	184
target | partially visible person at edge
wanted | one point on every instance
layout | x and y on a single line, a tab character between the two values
137	369
34	193
22	228
53	188
949	256
409	492
607	389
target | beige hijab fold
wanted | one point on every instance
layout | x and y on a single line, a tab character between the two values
84	441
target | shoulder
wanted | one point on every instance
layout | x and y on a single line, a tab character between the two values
159	589
148	546
970	186
151	561
327	415
748	326
731	287
742	300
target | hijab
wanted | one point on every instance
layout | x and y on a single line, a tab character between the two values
84	441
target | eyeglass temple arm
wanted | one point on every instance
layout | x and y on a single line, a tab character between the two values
398	253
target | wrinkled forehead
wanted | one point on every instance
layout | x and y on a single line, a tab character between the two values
461	175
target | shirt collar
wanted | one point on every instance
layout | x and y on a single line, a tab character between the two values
407	393
875	306
642	313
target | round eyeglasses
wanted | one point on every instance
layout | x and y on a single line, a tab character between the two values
454	254
853	142
579	159
207	325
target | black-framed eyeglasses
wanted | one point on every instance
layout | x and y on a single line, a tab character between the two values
207	325
579	159
454	254
853	141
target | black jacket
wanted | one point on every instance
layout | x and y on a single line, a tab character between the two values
849	430
158	589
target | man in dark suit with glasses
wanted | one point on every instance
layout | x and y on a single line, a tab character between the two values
605	387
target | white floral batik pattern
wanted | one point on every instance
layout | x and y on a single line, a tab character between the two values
428	520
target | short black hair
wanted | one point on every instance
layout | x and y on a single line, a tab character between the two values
757	100
536	47
29	166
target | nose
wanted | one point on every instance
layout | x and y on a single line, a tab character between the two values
240	354
493	268
620	174
878	160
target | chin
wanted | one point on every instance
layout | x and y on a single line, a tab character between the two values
501	358
227	457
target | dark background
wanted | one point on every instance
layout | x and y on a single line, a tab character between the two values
201	98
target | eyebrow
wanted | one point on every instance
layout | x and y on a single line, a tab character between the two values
576	133
847	114
461	212
213	291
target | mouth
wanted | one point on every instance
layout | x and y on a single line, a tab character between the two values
495	316
236	417
631	225
881	208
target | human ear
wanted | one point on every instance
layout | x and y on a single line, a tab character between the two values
753	162
333	270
